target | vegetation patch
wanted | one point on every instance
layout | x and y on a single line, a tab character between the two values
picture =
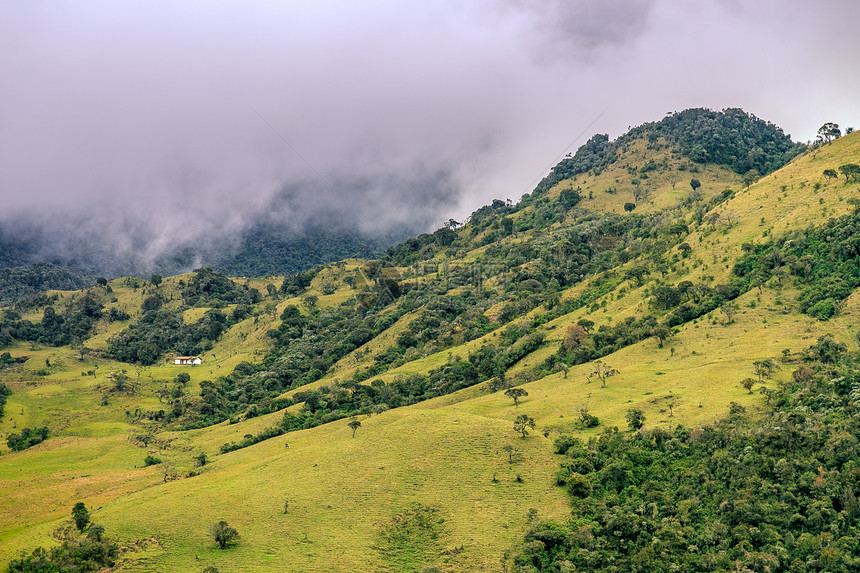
410	540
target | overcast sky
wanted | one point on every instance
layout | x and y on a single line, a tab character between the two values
139	110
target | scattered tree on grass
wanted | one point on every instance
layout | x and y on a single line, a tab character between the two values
830	173
729	309
602	371
354	424
850	171
695	184
80	515
748	384
765	368
828	132
662	333
523	423
95	532
586	420
635	419
223	534
511	451
516	394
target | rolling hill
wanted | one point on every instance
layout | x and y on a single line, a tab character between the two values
650	273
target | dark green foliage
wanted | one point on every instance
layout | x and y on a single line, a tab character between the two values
523	423
162	330
851	171
116	315
151	460
80	515
209	287
516	394
27	438
635	419
824	260
223	534
732	137
4	390
776	491
74	323
93	553
17	282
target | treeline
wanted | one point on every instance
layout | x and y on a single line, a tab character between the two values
160	330
732	137
27	438
4	391
824	261
344	399
212	288
20	281
72	324
772	492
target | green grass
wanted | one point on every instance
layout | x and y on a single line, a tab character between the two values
344	493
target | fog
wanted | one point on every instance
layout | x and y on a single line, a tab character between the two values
140	126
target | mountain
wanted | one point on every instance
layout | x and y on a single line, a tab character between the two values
449	404
32	261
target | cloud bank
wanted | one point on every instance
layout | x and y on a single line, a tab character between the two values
145	125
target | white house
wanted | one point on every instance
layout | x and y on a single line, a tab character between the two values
188	360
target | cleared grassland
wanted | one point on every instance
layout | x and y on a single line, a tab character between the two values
443	453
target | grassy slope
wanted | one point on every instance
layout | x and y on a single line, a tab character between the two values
444	452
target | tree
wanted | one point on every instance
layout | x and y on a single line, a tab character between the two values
354	424
765	368
828	132
635	419
662	333
748	384
511	451
516	394
729	309
637	273
629	207
586	420
751	177
95	532
155	280
523	423
830	173
695	184
576	334
602	371
850	171
80	515
223	534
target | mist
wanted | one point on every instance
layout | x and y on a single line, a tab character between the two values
137	128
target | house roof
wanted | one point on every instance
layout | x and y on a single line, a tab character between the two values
186	357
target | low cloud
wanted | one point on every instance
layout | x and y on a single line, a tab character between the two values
145	125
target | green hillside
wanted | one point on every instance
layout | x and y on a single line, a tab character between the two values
673	259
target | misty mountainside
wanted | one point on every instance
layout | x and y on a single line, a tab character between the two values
34	265
654	350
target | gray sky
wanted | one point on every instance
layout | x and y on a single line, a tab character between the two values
136	111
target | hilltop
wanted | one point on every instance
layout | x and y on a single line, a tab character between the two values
650	273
